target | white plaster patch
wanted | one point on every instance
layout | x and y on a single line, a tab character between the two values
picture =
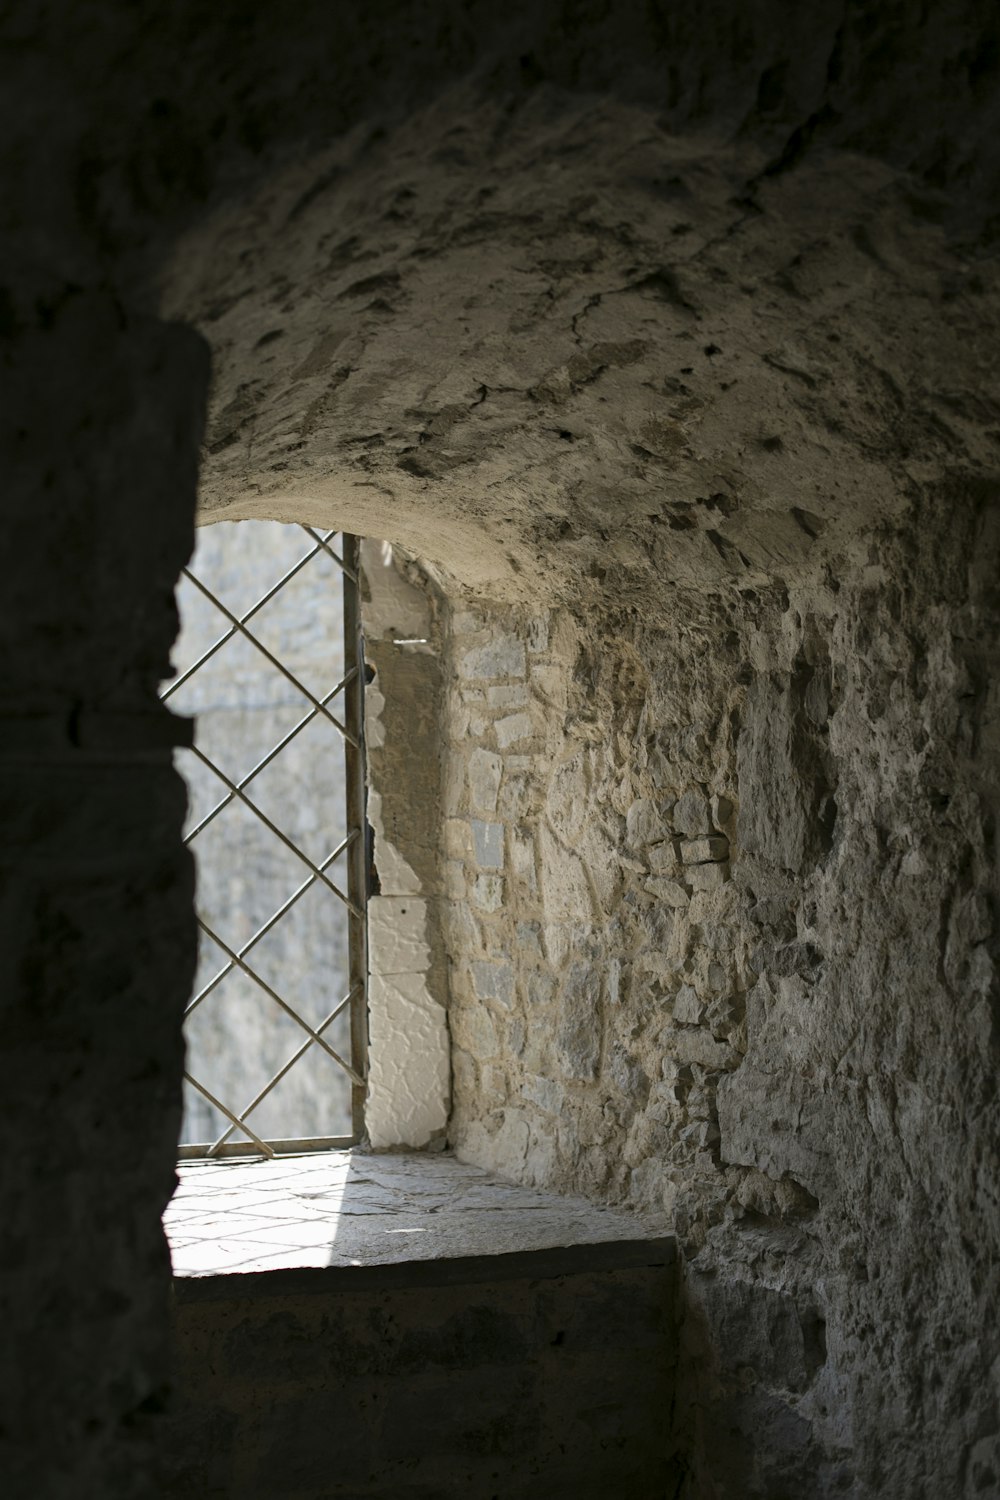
409	1075
374	728
397	940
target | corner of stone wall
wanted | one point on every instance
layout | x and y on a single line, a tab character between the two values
409	1081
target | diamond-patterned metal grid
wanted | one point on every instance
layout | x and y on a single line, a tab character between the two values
350	851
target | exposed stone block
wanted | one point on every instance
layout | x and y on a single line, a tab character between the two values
688	1009
487	842
690	815
484	772
501	657
487	892
643	824
544	1092
538	634
507	694
700	851
494	981
512	730
662	856
670	892
707	877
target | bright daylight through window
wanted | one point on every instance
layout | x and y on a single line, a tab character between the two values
269	664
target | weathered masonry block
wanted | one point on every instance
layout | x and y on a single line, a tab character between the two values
545	1372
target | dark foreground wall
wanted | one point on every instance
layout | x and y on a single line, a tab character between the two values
493	1378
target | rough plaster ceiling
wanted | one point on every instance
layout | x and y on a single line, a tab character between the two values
561	343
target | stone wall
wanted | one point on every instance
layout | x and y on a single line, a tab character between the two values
721	947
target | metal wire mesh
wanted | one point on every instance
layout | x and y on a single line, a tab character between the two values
338	875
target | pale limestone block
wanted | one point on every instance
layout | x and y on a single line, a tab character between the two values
409	1077
512	730
507	695
551	683
662	857
474	1029
484	772
670	892
487	893
643	824
501	657
515	799
692	1044
528	939
706	877
466	622
545	1092
688	1009
397	935
691	814
523	861
494	981
487	842
700	851
566	893
457	838
454	786
538	634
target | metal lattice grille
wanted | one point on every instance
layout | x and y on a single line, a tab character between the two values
275	1029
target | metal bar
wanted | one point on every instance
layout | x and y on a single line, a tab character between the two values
350	570
270	656
261	764
285	1068
227	1112
357	858
266	928
288	1009
275	829
264	599
293	1146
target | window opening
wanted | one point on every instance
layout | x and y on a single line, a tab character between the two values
276	1026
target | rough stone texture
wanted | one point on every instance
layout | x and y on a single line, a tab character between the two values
680	321
790	1047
